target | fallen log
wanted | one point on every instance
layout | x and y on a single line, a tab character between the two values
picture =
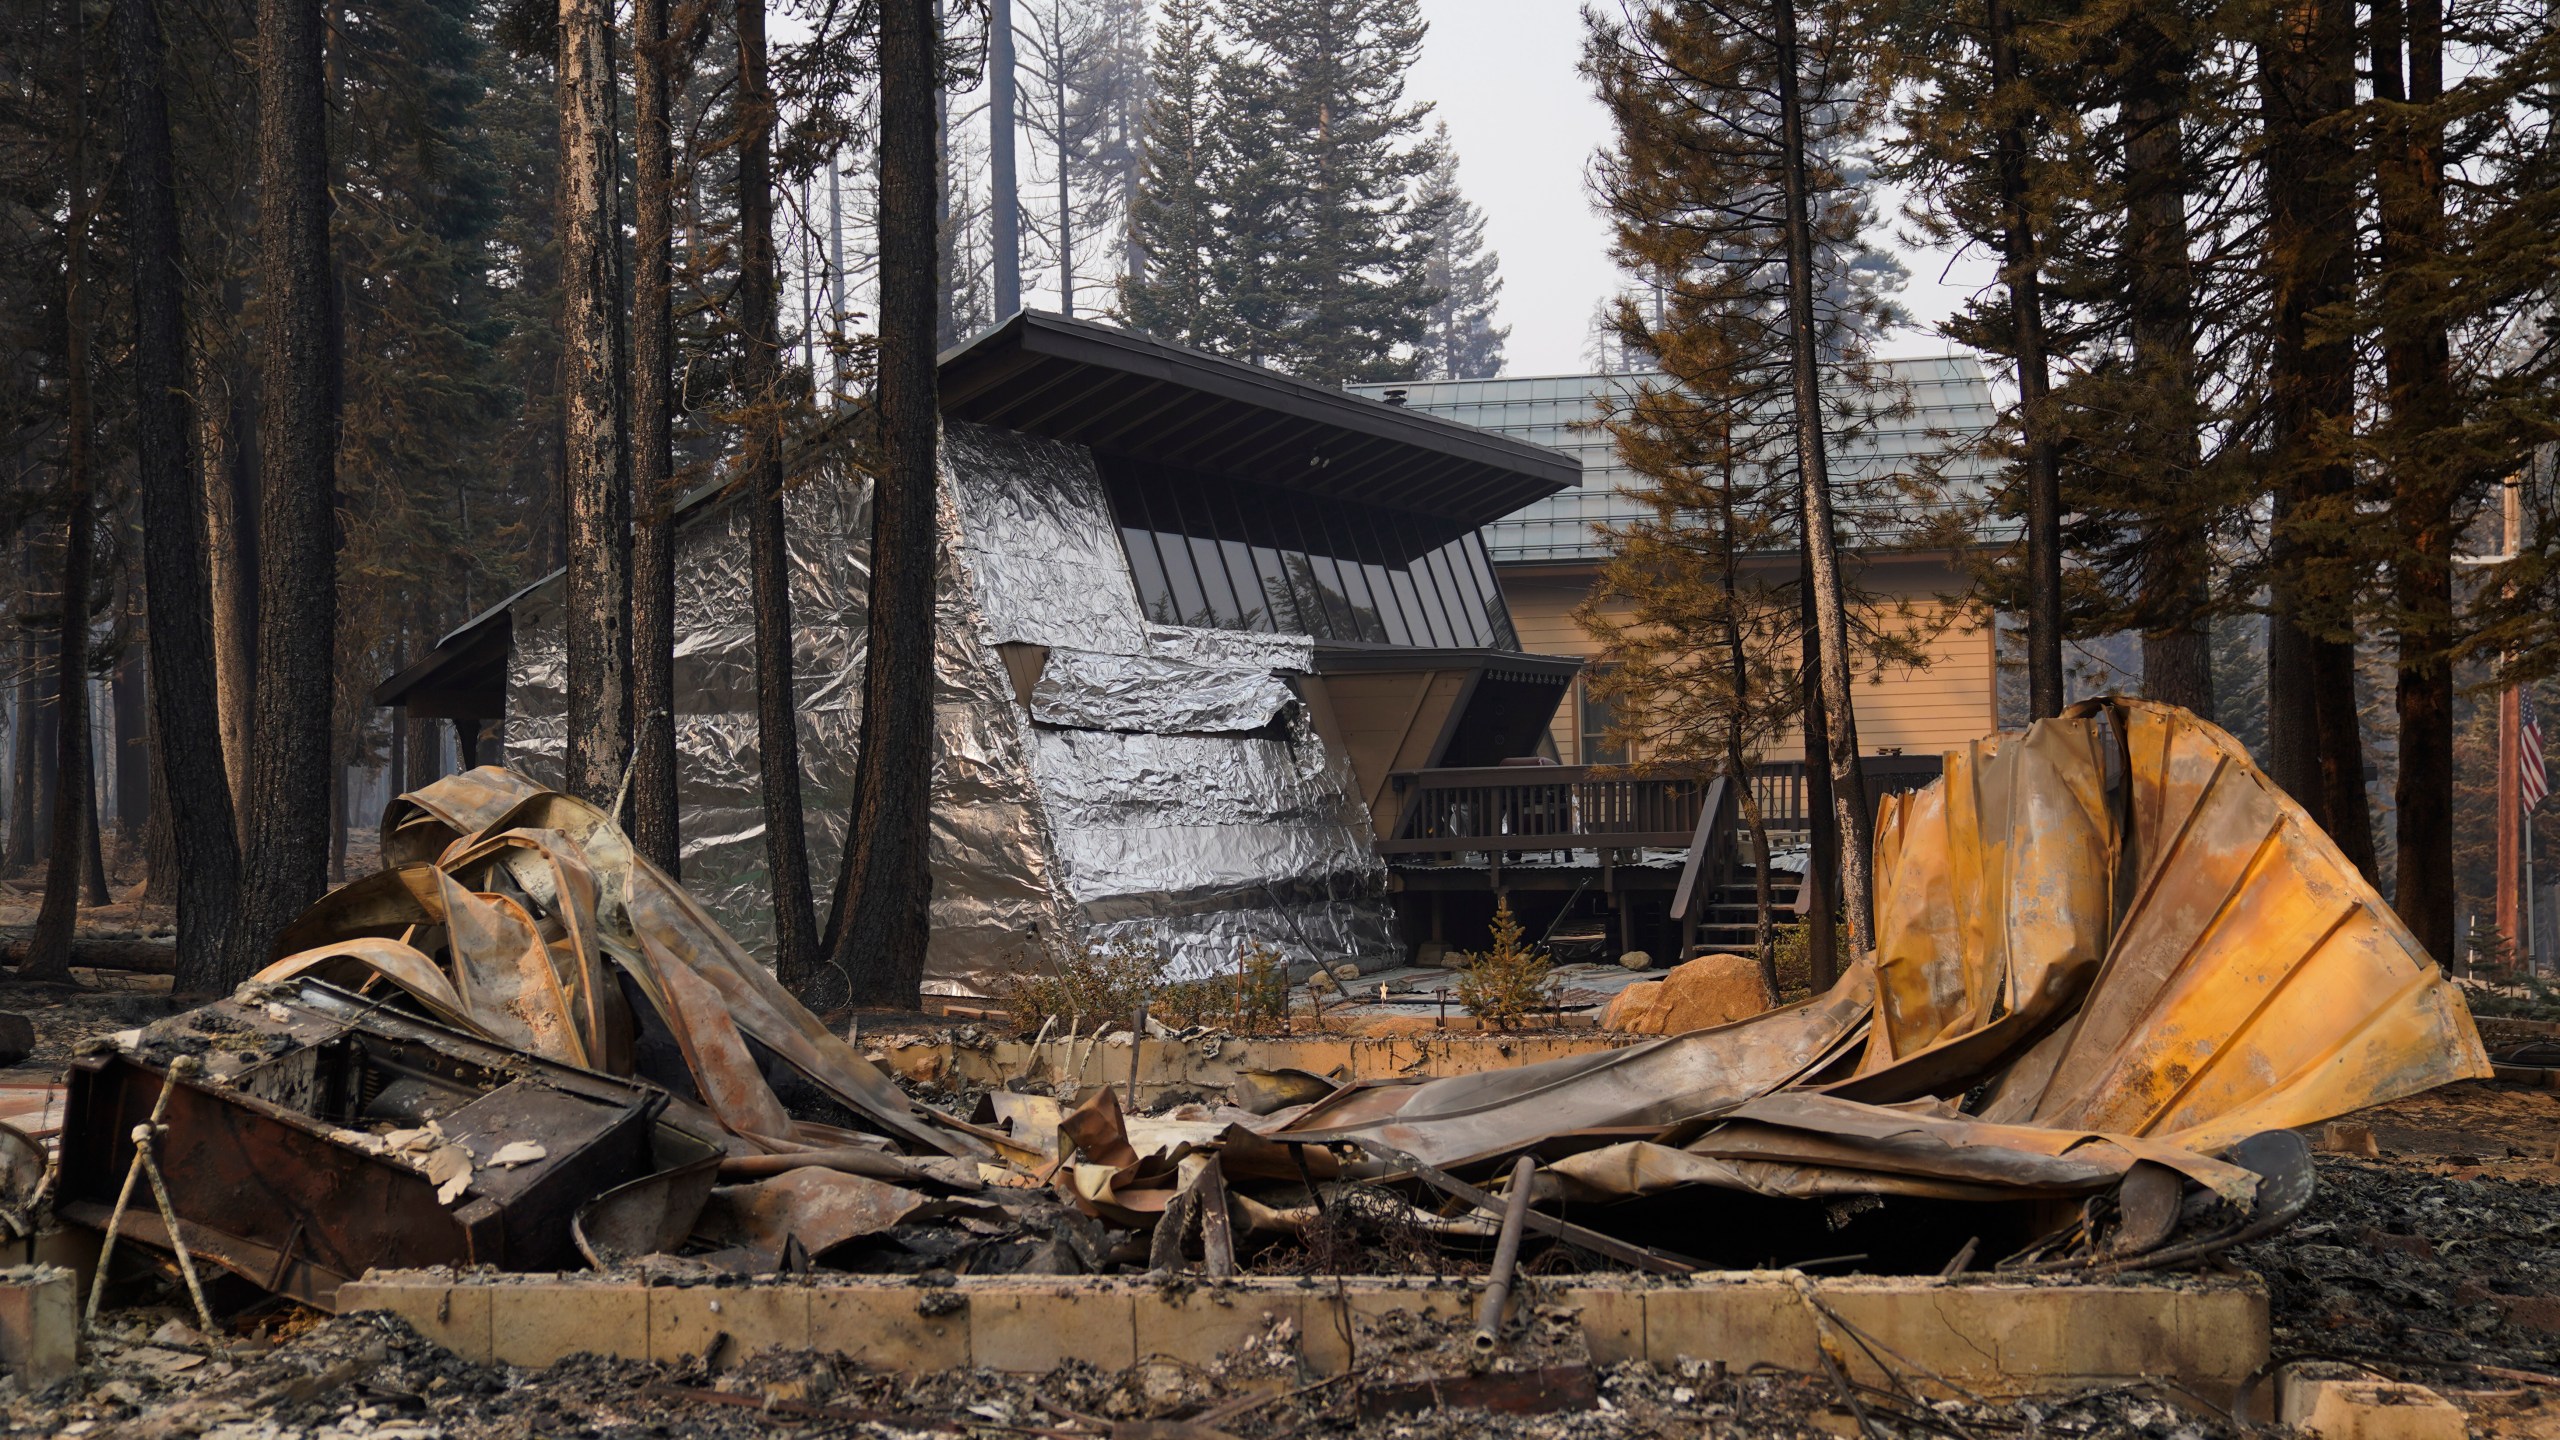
139	957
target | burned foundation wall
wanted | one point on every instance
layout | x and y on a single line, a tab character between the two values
1158	783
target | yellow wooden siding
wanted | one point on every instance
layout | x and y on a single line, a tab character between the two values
1389	721
1953	700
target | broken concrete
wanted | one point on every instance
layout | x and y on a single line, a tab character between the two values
1986	1337
39	1324
2340	1402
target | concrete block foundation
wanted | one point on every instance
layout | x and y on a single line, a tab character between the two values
2204	1335
39	1324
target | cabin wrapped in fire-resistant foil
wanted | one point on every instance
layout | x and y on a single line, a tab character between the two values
1193	617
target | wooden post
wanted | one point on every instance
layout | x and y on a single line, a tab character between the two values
2510	755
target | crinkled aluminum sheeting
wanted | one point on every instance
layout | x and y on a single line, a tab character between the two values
1037	537
719	795
1202	840
1140	694
991	888
995	895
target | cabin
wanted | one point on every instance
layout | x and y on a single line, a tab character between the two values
1228	659
1196	617
1548	557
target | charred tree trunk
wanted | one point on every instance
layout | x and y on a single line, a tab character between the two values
2417	369
341	783
93	868
132	768
2022	270
290	751
74	787
22	747
1737	759
795	925
1004	200
877	926
652	815
595	479
2307	76
1821	542
228	515
2177	650
2161	301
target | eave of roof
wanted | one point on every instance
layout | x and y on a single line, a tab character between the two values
1121	393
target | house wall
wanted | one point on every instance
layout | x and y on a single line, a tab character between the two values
1097	777
1953	699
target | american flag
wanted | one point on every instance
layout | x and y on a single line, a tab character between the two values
2533	781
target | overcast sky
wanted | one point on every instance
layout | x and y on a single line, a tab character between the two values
1501	73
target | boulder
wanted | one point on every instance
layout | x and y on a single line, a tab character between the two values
1708	991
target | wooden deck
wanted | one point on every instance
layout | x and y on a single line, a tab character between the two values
1659	851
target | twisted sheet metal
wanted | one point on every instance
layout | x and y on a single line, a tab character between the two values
520	912
2112	932
1165	783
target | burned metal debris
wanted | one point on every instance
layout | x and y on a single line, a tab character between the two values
2115	968
317	1133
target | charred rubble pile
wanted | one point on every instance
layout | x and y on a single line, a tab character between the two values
2114	970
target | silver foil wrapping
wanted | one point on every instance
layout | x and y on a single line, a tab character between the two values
1163	784
1140	694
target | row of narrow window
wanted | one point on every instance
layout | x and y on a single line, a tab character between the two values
1230	555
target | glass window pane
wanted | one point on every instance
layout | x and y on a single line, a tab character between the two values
1319	588
1224	613
1341	622
1595	717
1153	596
1497	611
1277	597
1466	608
1453	598
1355	577
1401	538
1191	607
1373	539
1220	518
1220	610
1434	605
1248	585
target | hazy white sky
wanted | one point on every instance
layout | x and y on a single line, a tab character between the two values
1501	73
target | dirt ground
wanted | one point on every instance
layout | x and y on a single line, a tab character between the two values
2438	1260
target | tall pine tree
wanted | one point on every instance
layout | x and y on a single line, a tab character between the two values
1324	200
1168	291
1459	339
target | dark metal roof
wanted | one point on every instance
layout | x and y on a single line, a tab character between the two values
1122	393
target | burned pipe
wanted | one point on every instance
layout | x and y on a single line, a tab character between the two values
1506	1257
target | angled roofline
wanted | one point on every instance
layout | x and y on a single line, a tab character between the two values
1120	392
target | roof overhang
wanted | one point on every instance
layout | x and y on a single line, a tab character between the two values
1121	393
1335	657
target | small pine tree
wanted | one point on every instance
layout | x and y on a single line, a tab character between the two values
1501	986
1459	339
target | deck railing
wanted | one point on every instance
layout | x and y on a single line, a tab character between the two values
1515	808
1532	808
